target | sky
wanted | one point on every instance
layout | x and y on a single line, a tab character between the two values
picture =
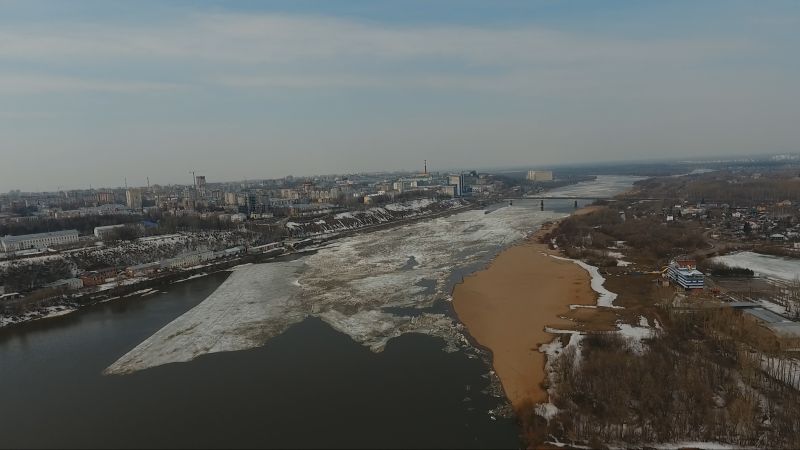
96	91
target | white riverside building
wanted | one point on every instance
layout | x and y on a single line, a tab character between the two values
684	273
107	230
38	241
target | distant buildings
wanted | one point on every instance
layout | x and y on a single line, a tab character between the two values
105	197
458	182
449	190
38	241
540	175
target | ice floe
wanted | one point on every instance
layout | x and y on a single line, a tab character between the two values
351	284
362	285
786	269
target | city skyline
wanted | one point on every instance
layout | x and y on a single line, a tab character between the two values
102	90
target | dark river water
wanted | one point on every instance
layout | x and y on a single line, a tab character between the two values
309	387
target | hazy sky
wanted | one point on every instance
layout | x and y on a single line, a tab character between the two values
95	91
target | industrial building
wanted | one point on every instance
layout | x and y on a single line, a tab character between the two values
683	272
458	182
38	241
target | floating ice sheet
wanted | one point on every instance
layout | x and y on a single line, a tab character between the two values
348	284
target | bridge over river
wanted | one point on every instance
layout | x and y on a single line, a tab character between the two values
571	197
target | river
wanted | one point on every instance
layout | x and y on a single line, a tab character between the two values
352	345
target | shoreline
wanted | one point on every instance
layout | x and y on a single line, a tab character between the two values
83	300
508	305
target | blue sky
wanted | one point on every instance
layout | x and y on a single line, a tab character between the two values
92	92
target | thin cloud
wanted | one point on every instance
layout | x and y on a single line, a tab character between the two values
39	84
248	39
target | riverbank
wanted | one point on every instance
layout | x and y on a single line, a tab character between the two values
507	307
125	288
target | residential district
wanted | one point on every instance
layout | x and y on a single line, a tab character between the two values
59	248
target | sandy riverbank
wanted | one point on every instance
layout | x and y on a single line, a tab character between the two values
507	306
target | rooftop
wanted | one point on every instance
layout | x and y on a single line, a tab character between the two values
25	237
767	316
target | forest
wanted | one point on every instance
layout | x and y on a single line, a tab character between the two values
699	379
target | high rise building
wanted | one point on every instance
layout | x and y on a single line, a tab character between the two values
134	198
105	197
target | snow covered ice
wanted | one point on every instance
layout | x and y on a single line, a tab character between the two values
785	269
371	286
351	284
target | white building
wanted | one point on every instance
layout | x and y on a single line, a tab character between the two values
683	272
540	175
102	232
38	241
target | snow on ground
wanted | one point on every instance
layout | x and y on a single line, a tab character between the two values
568	445
348	284
786	370
785	269
620	259
44	313
552	351
191	277
635	334
344	215
605	297
141	292
689	444
30	261
774	307
410	206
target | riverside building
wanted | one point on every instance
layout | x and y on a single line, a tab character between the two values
38	241
683	272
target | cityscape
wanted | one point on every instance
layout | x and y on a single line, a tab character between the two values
524	224
251	217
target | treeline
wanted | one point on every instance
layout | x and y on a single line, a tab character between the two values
649	237
699	381
735	189
168	224
718	269
21	276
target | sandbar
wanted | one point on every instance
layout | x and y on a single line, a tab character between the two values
507	306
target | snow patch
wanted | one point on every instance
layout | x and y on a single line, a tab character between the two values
191	277
605	297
